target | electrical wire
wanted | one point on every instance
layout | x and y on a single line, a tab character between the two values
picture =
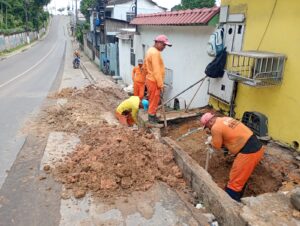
271	16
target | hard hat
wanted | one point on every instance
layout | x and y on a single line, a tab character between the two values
145	104
205	118
140	61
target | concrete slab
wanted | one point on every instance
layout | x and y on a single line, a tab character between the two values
59	145
270	209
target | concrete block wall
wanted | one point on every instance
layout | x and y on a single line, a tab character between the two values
8	42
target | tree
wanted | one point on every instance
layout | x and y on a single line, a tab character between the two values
192	4
84	5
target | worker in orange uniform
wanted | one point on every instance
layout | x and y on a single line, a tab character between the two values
155	74
139	78
127	111
240	141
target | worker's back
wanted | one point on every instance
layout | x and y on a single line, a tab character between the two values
154	66
231	133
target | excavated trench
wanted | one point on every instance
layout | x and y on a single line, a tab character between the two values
273	172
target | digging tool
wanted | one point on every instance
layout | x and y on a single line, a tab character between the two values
187	108
209	153
191	86
189	133
163	111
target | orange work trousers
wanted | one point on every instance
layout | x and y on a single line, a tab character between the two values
139	89
242	168
126	120
153	95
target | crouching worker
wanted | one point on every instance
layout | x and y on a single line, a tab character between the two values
240	141
127	111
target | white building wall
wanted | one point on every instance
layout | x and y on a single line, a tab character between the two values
144	7
187	58
124	61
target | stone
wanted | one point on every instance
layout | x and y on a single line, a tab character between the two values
295	199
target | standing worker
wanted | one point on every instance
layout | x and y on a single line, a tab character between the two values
155	74
139	78
240	141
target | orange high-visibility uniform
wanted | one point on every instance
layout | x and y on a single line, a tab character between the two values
138	78
131	104
234	135
155	75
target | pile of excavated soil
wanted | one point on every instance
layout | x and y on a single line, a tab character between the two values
270	174
111	160
114	160
83	108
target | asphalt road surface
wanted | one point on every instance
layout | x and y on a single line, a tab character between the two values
25	80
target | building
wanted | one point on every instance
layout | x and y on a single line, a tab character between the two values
125	9
269	29
185	61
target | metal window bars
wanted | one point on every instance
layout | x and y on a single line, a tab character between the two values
253	68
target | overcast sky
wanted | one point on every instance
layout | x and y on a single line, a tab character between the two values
64	3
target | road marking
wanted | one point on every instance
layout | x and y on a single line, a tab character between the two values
29	69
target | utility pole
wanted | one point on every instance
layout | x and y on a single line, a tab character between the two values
76	16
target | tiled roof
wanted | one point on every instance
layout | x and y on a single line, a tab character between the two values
183	17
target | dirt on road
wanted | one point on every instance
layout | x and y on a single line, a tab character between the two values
111	160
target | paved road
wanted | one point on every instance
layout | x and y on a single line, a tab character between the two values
25	81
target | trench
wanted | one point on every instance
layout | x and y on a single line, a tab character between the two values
264	179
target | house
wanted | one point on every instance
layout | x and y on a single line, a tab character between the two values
125	9
270	85
185	61
106	21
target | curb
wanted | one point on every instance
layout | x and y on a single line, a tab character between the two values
220	204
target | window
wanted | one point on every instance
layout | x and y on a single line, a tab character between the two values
130	16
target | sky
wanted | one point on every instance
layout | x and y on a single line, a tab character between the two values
64	3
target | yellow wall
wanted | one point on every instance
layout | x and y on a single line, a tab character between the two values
281	104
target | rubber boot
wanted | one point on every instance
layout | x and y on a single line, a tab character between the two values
152	118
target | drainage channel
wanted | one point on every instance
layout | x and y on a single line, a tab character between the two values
275	176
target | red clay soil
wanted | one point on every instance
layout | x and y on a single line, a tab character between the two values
110	160
116	161
268	176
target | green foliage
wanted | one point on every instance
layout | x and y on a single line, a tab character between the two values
84	5
192	4
13	15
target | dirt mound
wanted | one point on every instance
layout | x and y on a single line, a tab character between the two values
83	108
114	160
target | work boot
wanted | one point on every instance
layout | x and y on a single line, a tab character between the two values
152	118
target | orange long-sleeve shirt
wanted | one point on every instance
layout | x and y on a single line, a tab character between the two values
231	133
154	66
138	74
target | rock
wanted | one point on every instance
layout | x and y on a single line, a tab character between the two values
78	194
126	182
295	199
65	195
108	184
42	177
46	168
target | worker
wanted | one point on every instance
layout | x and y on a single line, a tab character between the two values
240	141
127	111
139	78
155	74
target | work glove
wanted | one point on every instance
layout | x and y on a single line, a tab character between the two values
209	139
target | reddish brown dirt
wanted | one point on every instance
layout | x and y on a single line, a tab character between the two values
111	160
267	177
116	161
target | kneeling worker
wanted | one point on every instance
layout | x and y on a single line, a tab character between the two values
127	111
240	141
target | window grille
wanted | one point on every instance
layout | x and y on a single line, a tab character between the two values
258	69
